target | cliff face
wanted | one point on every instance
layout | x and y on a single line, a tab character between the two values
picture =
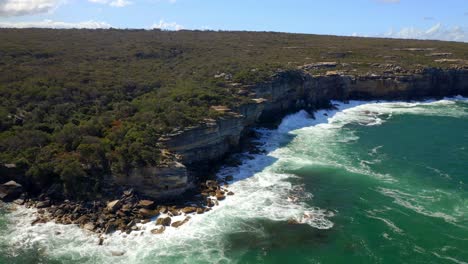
287	92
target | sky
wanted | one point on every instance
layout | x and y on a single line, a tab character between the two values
421	19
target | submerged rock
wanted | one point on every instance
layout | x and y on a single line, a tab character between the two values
179	223
117	253
159	230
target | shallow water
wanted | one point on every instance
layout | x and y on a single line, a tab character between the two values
369	183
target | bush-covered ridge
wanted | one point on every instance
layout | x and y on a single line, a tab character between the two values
80	104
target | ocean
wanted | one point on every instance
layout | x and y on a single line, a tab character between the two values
367	182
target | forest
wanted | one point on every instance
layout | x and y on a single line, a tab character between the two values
80	104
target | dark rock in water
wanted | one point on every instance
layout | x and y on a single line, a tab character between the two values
220	196
209	202
39	220
113	206
159	230
174	212
101	241
230	193
200	210
164	221
293	221
179	223
229	178
146	204
117	253
109	228
10	191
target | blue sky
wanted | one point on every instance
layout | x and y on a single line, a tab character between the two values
434	19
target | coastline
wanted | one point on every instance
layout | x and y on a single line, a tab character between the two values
251	163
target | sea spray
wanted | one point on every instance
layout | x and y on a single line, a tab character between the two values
273	189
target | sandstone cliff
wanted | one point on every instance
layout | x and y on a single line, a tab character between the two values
286	92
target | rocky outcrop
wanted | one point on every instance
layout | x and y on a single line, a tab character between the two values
294	90
213	139
287	92
10	191
168	180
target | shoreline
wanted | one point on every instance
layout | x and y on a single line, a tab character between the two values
130	212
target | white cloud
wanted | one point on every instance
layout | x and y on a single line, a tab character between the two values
91	24
114	3
437	32
167	25
26	7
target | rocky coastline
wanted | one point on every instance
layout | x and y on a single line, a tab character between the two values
122	214
194	149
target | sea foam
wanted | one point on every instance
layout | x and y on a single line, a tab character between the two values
262	191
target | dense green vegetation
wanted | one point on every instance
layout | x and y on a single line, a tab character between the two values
80	104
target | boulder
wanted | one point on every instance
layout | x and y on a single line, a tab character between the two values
147	213
164	221
89	226
220	196
200	210
18	201
43	204
159	230
110	228
10	191
179	223
162	209
113	206
230	193
210	184
146	204
189	210
82	219
209	202
39	221
293	221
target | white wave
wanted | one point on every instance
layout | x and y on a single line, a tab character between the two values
417	202
389	223
454	260
262	191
